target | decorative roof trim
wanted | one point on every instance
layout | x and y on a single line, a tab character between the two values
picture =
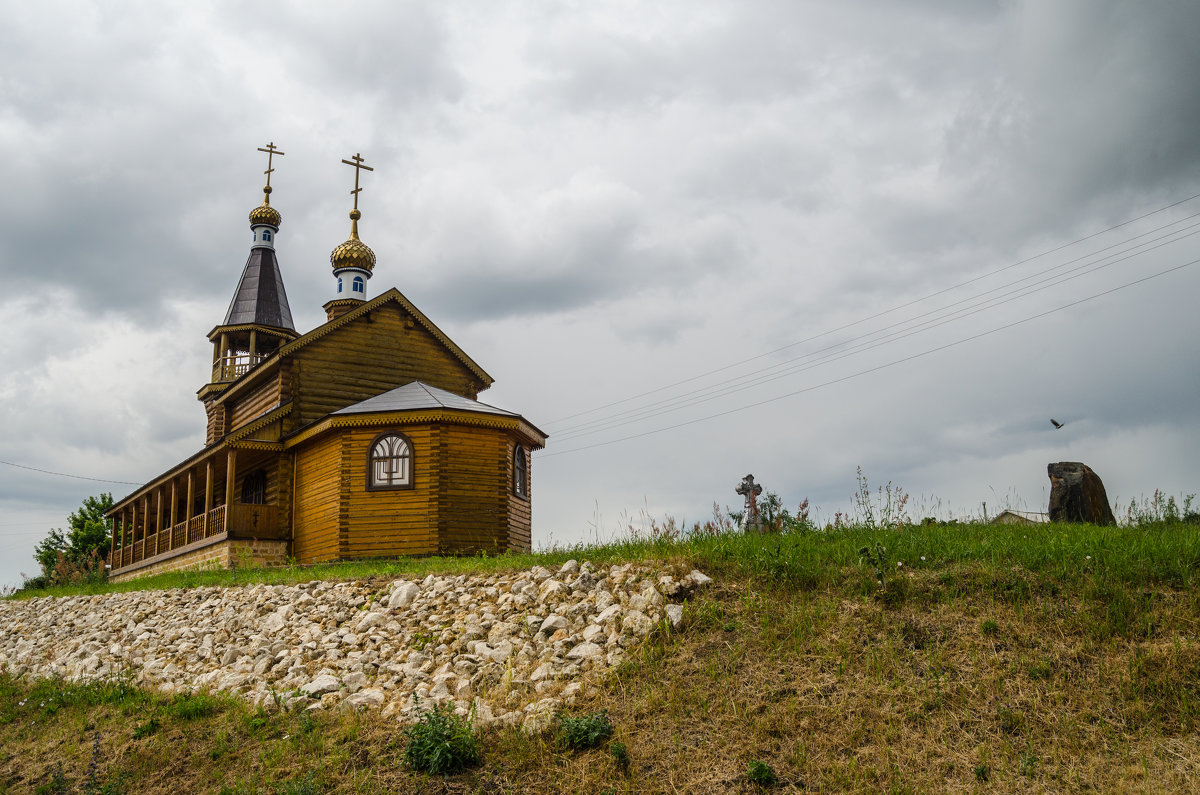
279	330
256	444
241	432
416	417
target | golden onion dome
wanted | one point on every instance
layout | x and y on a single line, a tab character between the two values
353	253
265	213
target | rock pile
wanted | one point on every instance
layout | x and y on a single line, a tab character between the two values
515	648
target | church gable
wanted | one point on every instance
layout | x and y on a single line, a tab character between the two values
372	353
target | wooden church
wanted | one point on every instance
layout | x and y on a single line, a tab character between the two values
360	438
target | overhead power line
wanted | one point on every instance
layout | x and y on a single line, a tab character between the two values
67	475
873	339
882	313
869	370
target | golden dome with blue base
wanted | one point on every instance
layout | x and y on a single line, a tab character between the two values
353	253
265	213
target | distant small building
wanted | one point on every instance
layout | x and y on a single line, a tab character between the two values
1021	517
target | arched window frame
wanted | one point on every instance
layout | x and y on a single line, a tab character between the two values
521	472
359	286
372	458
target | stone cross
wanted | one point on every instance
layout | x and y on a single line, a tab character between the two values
750	490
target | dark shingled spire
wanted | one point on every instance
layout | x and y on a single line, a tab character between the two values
260	298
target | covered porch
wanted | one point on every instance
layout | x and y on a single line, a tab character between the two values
228	492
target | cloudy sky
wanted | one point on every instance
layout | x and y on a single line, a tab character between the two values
690	240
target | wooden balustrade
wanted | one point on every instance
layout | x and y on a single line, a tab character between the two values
234	521
216	521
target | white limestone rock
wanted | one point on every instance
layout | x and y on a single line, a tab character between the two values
586	651
674	615
460	640
325	683
403	594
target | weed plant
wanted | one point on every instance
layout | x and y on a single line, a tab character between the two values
584	731
441	743
760	773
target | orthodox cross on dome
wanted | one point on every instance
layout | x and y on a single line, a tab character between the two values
271	152
359	166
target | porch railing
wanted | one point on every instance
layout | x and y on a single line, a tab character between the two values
235	521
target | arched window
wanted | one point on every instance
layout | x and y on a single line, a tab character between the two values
391	463
266	235
359	284
520	472
339	285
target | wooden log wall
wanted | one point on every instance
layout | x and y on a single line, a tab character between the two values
473	491
370	356
254	403
316	500
520	514
216	421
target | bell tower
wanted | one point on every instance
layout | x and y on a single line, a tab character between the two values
259	319
353	261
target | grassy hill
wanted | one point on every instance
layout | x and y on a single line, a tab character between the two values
990	659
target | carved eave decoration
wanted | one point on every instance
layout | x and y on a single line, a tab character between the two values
421	417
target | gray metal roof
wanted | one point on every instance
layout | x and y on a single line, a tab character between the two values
418	395
260	298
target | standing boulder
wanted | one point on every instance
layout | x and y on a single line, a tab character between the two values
1077	495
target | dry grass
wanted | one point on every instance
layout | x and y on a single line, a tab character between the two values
977	676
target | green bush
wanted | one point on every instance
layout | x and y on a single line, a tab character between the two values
441	742
586	731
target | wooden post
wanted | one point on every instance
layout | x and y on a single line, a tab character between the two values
174	510
253	345
158	517
208	493
230	477
224	357
191	500
133	522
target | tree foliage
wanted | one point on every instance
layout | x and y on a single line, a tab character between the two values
79	551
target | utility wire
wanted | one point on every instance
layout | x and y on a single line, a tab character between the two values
864	342
881	313
871	369
66	475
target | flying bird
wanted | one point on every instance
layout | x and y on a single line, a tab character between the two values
1055	423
